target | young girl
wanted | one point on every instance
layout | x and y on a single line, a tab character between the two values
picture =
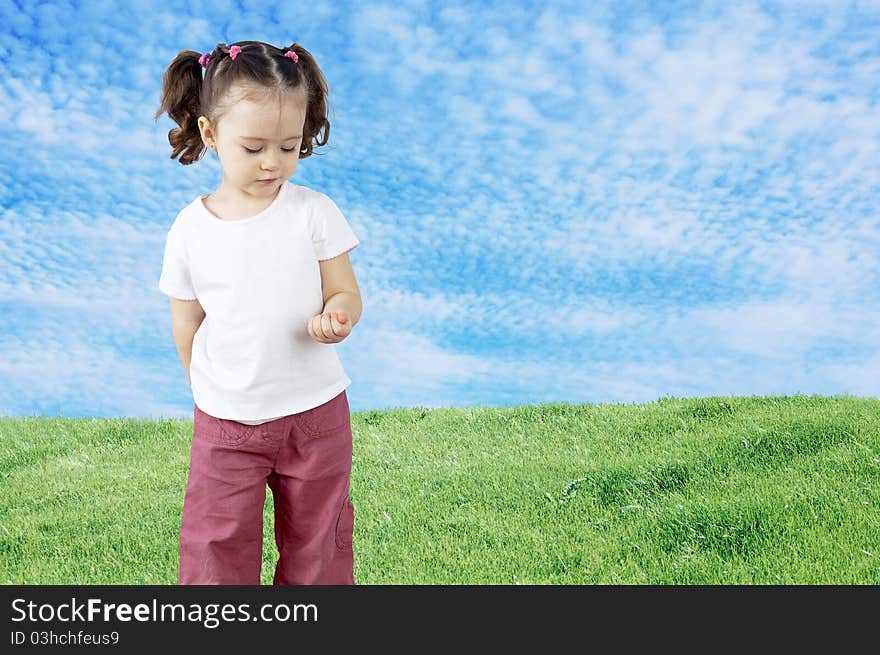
261	288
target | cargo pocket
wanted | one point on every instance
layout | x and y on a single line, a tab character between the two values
345	524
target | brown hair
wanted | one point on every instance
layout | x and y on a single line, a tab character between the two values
257	68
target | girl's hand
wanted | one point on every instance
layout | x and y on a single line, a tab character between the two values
329	327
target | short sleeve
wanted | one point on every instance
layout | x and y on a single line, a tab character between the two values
175	280
331	233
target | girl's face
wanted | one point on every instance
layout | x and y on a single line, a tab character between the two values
258	141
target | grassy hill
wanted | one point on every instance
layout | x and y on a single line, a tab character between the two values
720	490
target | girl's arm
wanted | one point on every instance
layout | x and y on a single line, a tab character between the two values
340	288
186	317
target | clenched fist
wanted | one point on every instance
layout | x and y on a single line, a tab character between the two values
329	327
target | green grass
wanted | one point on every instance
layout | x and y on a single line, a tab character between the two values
721	490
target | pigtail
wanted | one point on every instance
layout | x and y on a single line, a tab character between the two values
316	115
181	91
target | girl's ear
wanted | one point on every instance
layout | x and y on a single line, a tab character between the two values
205	129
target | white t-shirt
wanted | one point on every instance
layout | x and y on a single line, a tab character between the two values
259	282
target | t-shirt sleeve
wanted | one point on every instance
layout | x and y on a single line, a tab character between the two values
331	233
175	280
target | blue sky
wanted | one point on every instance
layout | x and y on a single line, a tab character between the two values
569	202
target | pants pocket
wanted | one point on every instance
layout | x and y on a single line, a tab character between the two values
345	524
221	431
325	419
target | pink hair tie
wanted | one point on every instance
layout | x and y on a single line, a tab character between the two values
233	52
291	55
204	59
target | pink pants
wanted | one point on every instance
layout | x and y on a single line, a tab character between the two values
305	458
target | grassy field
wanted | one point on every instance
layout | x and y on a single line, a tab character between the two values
720	490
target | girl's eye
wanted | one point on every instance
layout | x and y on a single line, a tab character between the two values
253	152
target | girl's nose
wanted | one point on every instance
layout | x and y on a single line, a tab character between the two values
270	162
